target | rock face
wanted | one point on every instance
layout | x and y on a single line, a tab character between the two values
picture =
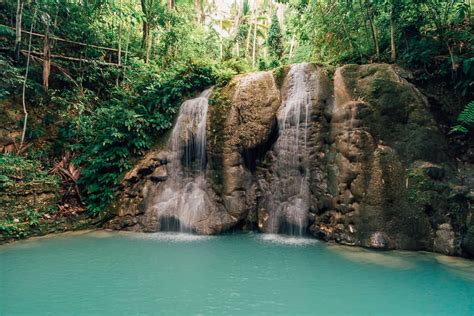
351	155
250	121
16	199
9	115
29	208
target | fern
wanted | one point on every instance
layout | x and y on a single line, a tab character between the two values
465	119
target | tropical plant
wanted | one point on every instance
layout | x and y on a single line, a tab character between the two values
465	120
33	217
69	174
274	40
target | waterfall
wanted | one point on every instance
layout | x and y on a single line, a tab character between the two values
289	202
188	138
181	201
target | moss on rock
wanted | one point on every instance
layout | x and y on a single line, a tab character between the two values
219	106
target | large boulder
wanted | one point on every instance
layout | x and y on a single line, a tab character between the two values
250	103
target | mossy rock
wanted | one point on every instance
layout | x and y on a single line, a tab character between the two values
219	106
399	113
419	143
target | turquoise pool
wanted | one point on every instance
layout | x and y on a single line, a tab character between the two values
104	273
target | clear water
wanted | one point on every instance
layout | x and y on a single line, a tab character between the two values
245	274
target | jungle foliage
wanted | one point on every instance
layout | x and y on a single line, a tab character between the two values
106	77
434	38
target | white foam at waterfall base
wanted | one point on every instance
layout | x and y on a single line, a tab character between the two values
171	237
183	195
288	240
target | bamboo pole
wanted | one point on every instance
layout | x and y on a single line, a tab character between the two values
46	61
19	15
64	40
23	94
119	53
254	46
75	59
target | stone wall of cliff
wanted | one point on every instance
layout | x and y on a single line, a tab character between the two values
377	168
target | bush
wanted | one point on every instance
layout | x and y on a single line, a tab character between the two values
11	79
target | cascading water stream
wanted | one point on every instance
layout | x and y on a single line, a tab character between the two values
188	138
181	200
290	189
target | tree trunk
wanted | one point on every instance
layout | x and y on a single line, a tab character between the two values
393	49
46	60
247	40
221	45
367	36
451	55
376	38
171	6
374	30
119	52
235	30
25	112
119	48
19	15
201	15
265	35
147	50
126	47
396	7
146	25
144	34
254	49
